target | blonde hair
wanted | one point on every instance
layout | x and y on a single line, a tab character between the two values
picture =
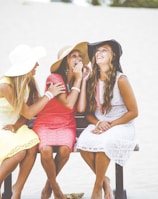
19	85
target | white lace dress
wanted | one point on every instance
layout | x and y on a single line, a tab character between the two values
119	141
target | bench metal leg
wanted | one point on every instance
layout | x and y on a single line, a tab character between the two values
120	193
7	188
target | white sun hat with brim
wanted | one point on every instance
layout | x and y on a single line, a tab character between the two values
23	58
82	47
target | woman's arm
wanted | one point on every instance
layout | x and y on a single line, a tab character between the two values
129	100
30	111
91	119
130	103
34	109
69	100
14	127
82	102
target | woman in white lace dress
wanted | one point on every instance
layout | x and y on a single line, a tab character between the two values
111	109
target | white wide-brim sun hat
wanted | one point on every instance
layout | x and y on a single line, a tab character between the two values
23	58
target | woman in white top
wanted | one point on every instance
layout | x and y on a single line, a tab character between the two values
111	108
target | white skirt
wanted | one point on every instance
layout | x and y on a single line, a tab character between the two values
118	142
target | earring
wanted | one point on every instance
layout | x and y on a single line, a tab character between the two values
66	71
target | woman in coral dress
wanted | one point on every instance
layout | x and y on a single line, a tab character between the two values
55	124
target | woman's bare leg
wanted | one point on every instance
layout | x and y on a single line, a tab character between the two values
89	158
108	191
0	194
25	168
10	165
46	191
61	158
101	165
56	165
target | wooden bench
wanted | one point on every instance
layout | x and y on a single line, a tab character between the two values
120	192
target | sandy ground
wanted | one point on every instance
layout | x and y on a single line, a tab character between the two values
57	24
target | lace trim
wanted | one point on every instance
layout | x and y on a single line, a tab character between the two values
91	149
21	147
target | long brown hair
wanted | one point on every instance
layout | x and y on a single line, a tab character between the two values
63	70
108	86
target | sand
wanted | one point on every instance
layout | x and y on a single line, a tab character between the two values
57	24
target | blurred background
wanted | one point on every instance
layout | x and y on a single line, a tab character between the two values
54	24
116	3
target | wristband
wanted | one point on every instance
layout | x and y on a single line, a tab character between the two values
75	88
49	95
98	123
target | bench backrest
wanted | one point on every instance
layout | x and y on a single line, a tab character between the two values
81	123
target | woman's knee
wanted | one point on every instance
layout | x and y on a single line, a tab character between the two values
20	156
83	153
64	151
32	151
46	152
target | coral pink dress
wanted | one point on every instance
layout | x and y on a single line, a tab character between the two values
55	124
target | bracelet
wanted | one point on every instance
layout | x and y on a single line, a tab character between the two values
49	95
13	130
98	123
75	88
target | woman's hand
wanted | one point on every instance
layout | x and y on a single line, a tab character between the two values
56	89
86	72
77	70
102	127
14	127
9	127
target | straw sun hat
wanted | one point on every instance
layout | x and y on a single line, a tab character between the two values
63	52
23	58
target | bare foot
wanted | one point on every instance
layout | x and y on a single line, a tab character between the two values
46	193
58	196
57	192
16	193
97	195
97	192
108	193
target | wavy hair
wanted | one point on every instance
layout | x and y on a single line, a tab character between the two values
19	85
110	78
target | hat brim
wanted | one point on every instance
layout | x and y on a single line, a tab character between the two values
116	47
26	66
81	47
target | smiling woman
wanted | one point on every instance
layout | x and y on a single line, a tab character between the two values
56	124
111	110
19	99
